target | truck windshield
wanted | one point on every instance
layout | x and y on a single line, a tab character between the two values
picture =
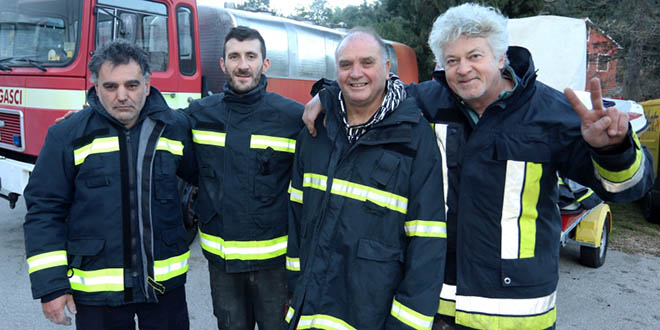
42	33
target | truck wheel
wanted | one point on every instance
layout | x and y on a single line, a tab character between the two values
651	212
595	257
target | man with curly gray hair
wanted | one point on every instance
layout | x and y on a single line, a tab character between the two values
503	137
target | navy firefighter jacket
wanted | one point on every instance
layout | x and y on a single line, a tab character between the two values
503	221
104	220
244	144
366	224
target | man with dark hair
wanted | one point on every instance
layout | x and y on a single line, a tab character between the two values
104	232
366	233
244	140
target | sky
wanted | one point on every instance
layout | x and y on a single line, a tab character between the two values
287	7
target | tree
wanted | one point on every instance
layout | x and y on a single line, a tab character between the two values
263	5
318	12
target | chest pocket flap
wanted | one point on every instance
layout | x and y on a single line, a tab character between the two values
524	146
384	169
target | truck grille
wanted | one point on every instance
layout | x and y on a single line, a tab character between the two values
10	130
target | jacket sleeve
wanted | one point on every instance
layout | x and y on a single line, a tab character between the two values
416	299
188	167
293	269
48	196
621	175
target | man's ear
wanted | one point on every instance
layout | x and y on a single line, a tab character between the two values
222	65
388	65
265	66
147	85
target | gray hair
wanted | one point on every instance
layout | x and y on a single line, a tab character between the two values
470	20
368	31
118	52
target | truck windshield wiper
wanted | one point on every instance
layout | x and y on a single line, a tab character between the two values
32	62
5	67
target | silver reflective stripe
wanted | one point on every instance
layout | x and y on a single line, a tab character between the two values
410	317
513	187
323	322
293	264
506	306
366	193
316	181
616	187
441	139
448	292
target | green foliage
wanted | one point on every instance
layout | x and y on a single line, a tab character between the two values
255	5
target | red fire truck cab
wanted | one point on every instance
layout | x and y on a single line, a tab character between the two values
46	45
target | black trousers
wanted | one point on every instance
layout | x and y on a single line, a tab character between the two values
241	299
170	313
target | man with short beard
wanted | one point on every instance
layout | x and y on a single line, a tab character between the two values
244	141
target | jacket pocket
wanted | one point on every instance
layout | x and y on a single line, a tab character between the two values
384	170
377	251
271	166
82	252
97	181
165	187
528	272
524	146
175	238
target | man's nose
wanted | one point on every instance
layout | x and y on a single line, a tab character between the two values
243	64
463	67
356	71
122	93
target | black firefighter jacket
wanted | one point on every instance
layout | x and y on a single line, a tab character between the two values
244	145
104	220
502	216
366	226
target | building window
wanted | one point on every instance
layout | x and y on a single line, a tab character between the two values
603	64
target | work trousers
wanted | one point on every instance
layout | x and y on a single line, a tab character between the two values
241	299
170	313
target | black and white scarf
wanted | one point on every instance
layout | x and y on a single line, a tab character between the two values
395	93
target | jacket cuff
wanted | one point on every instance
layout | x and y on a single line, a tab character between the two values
54	295
319	85
616	157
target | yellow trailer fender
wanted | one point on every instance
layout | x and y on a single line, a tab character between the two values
589	231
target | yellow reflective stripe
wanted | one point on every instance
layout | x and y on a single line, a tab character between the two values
243	250
99	145
618	177
296	195
585	196
293	264
320	321
289	315
426	228
109	279
46	260
447	308
530	199
410	317
173	146
482	321
171	267
315	181
365	193
209	137
274	142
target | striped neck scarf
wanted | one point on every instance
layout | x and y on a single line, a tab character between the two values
395	93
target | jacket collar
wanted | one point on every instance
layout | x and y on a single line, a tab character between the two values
155	107
246	101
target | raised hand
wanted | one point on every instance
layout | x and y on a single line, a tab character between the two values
600	127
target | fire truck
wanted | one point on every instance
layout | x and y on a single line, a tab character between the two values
45	46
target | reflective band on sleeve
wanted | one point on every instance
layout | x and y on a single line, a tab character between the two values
426	228
365	193
289	315
320	321
98	146
585	196
276	143
209	137
410	317
171	267
46	260
173	146
315	181
296	195
243	250
506	306
482	321
293	264
109	279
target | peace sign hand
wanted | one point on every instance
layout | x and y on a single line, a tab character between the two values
600	127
